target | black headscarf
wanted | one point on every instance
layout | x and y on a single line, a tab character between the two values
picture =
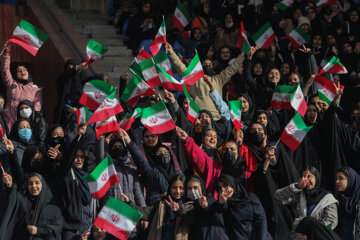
23	82
82	183
202	50
314	196
14	134
349	198
51	142
257	150
315	230
29	153
247	116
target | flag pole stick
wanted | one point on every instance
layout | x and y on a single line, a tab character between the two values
2	169
121	192
123	142
277	142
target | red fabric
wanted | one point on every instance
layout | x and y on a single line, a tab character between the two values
251	166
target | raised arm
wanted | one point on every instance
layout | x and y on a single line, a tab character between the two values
287	195
5	66
178	64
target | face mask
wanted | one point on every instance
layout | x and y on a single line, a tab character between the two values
229	158
56	141
256	138
118	153
37	166
26	113
208	70
1	109
163	158
25	134
229	25
191	194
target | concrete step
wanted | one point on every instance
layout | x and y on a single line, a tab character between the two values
94	21
117	61
115	76
119	51
100	29
114	42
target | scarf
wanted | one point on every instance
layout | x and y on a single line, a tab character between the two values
313	196
83	185
349	198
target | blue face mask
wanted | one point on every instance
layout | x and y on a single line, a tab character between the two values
25	134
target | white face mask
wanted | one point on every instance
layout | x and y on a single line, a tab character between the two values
229	25
25	113
191	194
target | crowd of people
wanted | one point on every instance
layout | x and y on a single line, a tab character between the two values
202	180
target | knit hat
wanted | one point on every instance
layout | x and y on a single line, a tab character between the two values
303	20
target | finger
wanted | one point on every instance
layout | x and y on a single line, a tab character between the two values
167	202
170	199
197	194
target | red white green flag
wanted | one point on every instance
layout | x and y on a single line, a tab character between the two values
298	101
265	36
28	37
323	3
298	37
117	218
168	81
142	55
235	113
95	92
326	88
94	51
285	4
134	90
107	125
102	178
194	71
192	111
243	42
285	97
83	115
157	118
160	38
294	132
129	118
181	16
333	66
108	108
187	34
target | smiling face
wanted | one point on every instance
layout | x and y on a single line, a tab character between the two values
311	114
204	119
150	140
210	138
285	68
245	104
22	73
274	76
293	79
225	54
262	118
257	69
310	177
34	186
194	185
341	181
177	190
79	159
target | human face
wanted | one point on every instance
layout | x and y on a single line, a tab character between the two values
2	102
341	181
317	41
146	8
257	69
194	185
354	16
79	159
256	128
297	13
98	233
293	79
231	147
311	14
197	34
162	150
185	104
177	190
285	69
207	62
225	54
245	104
262	118
316	101
205	119
311	114
23	106
24	124
57	132
311	178
274	76
223	188
117	145
331	40
241	69
150	140
347	48
22	73
36	158
228	19
210	52
34	186
210	138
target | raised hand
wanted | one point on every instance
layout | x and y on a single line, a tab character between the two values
303	182
123	134
7	179
32	229
338	93
85	235
54	152
168	48
208	81
8	144
252	51
124	198
173	205
239	137
169	96
181	134
202	200
224	195
304	49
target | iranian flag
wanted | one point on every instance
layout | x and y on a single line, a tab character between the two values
107	125
142	56
134	90
285	4
192	111
95	92
181	17
83	115
147	68
94	51
28	37
160	38
265	36
157	118
102	178
326	88
108	108
333	66
168	81
323	3
117	218
194	71
294	132
281	98
235	113
298	37
243	42
298	101
129	118
187	34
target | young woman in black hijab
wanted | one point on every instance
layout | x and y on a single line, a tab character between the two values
33	215
315	230
311	200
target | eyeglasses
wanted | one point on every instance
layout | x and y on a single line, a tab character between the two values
274	74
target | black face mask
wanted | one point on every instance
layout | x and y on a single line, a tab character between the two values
55	141
37	166
1	109
163	158
208	70
229	159
256	138
118	153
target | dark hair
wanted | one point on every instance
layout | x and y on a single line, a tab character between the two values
345	170
313	170
177	177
